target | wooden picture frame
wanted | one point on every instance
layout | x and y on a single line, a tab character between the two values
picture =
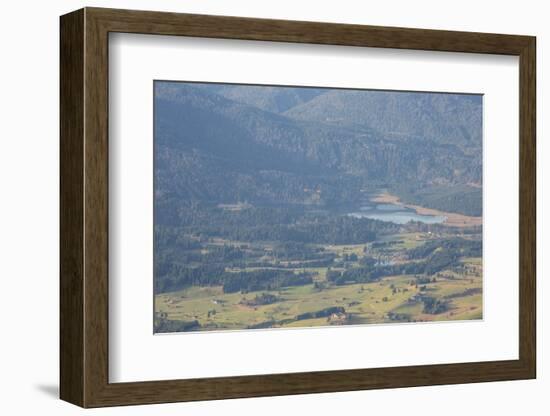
84	207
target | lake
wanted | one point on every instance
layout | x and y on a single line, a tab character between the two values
395	213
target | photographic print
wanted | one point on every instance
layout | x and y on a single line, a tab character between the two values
288	206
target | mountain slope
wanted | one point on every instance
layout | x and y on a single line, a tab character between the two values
211	148
445	118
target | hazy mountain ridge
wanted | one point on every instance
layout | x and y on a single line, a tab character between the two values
447	118
273	99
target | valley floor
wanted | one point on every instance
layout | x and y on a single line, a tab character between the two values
452	294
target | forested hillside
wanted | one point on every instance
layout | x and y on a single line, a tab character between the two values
333	142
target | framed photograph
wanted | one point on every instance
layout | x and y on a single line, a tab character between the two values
255	207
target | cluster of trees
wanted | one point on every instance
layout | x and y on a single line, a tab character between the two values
440	260
222	254
354	275
434	306
321	313
326	261
174	276
181	259
319	230
366	274
263	299
228	255
163	324
263	280
291	250
173	272
383	244
462	199
399	317
290	225
466	292
461	246
181	276
437	255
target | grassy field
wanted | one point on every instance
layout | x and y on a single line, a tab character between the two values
393	298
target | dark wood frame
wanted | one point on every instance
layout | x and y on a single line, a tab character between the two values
84	207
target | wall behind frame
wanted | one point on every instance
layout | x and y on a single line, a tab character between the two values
29	209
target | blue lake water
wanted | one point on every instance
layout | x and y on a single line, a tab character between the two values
395	213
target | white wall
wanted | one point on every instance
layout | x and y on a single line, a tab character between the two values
29	207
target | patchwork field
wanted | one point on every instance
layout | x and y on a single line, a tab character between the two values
450	294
